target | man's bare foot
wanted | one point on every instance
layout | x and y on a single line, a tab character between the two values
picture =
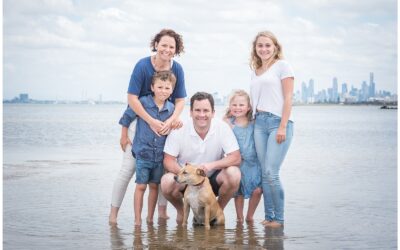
239	220
138	223
179	218
273	224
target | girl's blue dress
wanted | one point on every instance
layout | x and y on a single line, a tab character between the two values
250	166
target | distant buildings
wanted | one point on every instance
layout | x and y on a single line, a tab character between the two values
347	95
367	93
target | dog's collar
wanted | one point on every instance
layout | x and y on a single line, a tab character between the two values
201	182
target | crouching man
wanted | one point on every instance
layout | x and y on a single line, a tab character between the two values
205	142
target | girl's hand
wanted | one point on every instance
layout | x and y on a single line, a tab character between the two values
281	135
124	141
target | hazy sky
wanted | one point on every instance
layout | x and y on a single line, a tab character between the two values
70	49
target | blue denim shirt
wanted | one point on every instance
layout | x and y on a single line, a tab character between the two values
128	117
146	144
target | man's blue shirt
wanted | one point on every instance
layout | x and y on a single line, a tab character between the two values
146	144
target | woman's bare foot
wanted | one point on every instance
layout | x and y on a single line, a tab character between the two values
273	224
138	223
239	220
265	222
112	218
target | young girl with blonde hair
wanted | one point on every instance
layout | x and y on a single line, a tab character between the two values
239	117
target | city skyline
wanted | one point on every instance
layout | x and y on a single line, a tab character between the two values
73	49
306	95
348	92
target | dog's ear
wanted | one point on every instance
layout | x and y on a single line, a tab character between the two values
200	172
187	163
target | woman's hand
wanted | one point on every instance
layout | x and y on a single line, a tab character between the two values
124	141
157	126
177	124
164	130
281	135
171	124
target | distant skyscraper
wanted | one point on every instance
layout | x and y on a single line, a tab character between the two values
335	92
371	85
364	91
304	92
311	90
344	88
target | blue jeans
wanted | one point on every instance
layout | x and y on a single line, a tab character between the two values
271	155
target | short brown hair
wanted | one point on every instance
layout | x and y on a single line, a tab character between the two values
165	75
199	96
168	32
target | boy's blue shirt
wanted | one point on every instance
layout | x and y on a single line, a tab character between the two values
146	144
127	118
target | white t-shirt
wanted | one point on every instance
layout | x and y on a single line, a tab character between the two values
266	89
187	146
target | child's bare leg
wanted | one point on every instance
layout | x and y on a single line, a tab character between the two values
239	204
138	203
162	205
152	201
253	203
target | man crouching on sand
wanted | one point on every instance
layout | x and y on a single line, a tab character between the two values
208	143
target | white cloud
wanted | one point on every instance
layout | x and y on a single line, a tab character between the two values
92	46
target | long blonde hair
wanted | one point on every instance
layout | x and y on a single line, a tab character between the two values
234	94
255	60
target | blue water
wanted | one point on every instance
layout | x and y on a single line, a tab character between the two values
60	161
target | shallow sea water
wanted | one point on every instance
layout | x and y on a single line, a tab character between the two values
60	161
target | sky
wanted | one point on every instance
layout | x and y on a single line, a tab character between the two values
74	50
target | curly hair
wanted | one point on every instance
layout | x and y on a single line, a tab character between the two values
255	60
168	32
234	94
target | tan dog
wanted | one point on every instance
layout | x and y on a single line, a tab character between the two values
200	197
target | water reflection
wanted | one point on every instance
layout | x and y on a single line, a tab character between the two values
162	236
273	238
116	239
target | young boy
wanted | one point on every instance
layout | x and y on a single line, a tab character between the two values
147	147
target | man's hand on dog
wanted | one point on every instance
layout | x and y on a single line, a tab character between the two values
206	167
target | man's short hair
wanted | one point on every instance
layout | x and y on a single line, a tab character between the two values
199	96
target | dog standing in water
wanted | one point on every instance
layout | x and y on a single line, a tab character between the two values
200	197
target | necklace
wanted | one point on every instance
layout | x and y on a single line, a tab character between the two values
160	66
